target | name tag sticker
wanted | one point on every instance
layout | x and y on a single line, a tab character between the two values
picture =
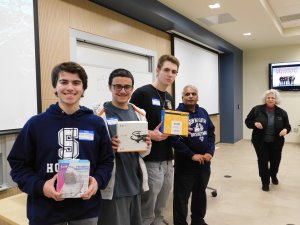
86	135
155	101
112	121
176	127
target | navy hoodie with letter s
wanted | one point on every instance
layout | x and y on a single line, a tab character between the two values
45	139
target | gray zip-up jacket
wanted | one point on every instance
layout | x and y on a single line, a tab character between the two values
107	193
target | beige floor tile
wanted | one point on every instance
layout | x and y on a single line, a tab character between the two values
240	200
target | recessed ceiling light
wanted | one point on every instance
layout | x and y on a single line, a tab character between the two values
247	34
214	6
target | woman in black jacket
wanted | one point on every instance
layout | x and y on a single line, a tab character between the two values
270	124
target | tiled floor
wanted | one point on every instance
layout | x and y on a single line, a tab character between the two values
240	200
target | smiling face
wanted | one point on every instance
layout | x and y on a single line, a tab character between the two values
121	89
69	89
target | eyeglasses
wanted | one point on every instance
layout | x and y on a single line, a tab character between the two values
119	87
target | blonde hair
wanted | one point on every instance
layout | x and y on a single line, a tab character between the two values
275	93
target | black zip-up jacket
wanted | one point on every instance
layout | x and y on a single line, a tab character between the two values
259	114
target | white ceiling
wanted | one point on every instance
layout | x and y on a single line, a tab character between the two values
263	18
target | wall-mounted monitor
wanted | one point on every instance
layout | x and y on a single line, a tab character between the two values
284	76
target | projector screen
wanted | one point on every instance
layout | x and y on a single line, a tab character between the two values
18	86
198	67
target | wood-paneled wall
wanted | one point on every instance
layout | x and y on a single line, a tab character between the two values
9	192
216	121
56	17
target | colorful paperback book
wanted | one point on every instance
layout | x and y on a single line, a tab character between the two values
73	177
132	136
174	122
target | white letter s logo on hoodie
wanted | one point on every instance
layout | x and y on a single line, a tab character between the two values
69	146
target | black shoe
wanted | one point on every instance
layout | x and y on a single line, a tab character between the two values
265	188
275	180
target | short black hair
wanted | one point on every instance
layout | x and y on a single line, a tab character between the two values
120	73
70	67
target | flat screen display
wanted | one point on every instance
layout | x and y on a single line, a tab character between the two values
284	76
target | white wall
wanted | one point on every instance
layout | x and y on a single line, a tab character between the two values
255	82
200	67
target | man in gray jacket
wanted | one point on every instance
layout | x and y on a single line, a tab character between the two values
122	203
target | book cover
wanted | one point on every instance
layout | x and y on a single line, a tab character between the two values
132	135
174	122
73	177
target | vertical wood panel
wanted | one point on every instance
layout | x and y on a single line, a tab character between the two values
54	41
9	192
104	22
216	121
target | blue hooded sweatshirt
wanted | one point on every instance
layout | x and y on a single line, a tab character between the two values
44	140
200	141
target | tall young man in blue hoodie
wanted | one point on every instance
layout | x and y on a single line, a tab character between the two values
192	162
65	131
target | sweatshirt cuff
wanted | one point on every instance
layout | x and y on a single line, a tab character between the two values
191	154
100	182
39	186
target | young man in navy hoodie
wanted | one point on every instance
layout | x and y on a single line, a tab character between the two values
65	131
192	161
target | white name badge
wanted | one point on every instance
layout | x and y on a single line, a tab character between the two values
155	101
86	135
112	120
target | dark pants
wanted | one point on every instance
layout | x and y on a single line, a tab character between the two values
185	183
269	152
